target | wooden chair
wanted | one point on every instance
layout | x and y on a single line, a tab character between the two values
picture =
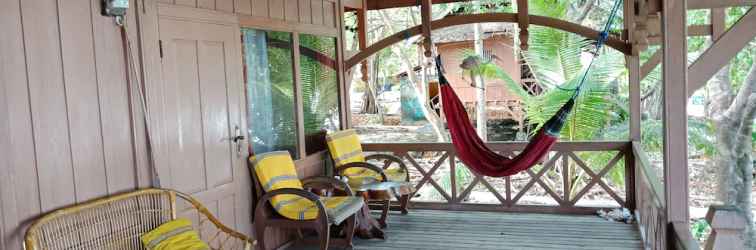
350	161
117	222
286	204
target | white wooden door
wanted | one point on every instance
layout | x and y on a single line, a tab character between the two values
201	111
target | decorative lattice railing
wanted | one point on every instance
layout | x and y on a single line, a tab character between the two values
576	177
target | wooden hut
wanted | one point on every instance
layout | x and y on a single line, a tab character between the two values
89	109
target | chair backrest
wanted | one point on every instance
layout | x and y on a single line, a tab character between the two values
345	147
275	170
114	222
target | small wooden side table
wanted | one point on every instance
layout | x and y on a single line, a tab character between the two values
383	192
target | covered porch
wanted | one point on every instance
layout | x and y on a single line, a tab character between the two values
171	92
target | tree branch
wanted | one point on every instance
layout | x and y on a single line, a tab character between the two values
721	95
741	103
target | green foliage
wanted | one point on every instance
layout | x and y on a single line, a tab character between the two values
558	62
701	139
483	6
319	85
463	178
700	229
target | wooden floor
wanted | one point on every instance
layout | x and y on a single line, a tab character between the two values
437	230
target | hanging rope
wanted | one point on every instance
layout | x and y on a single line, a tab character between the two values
134	85
603	37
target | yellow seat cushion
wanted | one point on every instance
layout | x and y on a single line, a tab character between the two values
337	208
276	170
174	235
393	174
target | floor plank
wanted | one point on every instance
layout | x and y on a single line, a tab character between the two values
436	230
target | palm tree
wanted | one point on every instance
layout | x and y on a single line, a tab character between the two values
558	60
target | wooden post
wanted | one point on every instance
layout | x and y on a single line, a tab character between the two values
298	101
639	34
362	36
523	22
727	228
675	99
634	79
345	114
632	63
718	27
425	9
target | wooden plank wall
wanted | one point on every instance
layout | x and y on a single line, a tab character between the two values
65	111
70	130
308	12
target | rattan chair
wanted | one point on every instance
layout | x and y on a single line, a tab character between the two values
116	222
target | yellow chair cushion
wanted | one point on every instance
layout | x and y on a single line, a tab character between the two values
174	235
276	170
345	147
337	208
393	174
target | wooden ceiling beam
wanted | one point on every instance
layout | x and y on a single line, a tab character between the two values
352	5
449	21
709	4
387	4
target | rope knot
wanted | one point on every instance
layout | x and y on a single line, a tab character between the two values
603	36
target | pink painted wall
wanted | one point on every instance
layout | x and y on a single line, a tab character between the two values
496	90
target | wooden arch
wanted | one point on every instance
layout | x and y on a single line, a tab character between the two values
613	41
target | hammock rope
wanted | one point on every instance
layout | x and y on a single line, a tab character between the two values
472	150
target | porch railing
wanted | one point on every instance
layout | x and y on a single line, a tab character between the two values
576	177
651	211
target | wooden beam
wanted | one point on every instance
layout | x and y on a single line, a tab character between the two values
298	101
353	4
718	26
448	21
722	51
387	4
523	22
362	37
634	77
711	4
693	30
675	98
425	13
344	112
651	64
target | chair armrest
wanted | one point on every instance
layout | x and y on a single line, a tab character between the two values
332	182
298	192
389	158
364	165
229	233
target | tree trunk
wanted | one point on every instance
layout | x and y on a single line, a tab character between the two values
733	116
481	117
407	63
369	99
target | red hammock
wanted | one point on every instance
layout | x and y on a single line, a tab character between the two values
473	151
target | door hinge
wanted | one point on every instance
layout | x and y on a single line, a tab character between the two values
160	46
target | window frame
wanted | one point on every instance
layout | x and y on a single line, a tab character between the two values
296	31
